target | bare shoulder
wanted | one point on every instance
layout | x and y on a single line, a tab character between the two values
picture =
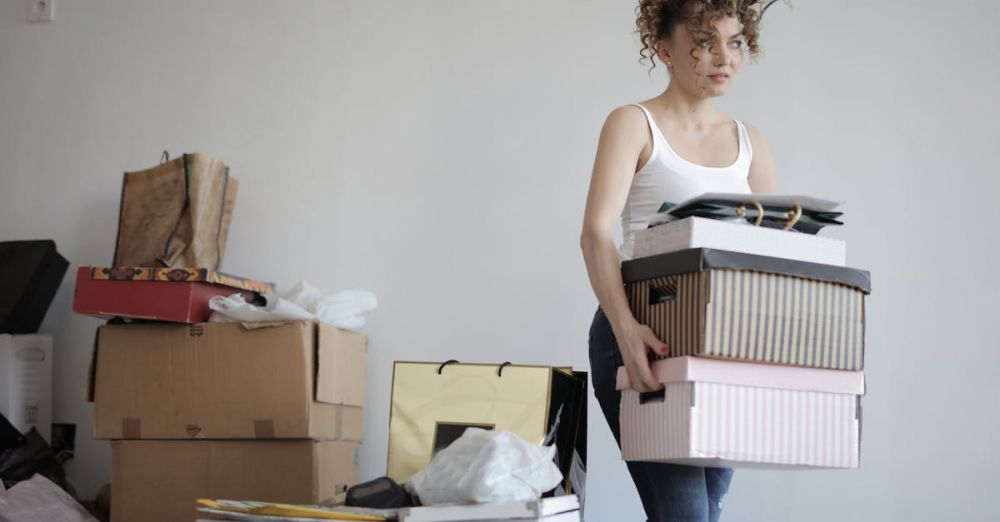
753	130
761	177
626	118
756	136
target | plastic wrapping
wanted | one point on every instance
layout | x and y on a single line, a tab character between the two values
487	466
345	309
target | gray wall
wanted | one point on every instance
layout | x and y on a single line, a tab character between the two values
438	153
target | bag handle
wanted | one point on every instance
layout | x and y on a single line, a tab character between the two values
793	214
742	211
446	363
455	361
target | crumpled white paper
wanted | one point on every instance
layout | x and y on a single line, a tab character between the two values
487	466
346	309
39	499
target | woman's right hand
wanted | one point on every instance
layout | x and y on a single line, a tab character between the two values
634	340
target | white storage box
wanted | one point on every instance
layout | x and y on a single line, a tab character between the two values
696	232
26	382
737	414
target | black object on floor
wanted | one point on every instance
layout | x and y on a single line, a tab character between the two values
30	275
381	493
34	456
10	437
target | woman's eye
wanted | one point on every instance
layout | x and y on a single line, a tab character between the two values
737	44
704	44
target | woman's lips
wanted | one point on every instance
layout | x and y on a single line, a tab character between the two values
719	78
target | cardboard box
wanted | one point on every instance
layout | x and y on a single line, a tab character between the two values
156	480
30	275
26	382
696	232
222	381
738	414
178	295
716	303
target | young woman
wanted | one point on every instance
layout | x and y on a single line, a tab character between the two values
672	147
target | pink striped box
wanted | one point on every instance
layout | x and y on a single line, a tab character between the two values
723	413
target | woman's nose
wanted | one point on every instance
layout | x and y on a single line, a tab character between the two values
724	57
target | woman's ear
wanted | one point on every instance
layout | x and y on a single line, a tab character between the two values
663	53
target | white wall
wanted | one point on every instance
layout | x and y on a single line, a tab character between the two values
438	152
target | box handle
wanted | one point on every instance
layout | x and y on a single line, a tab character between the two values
663	293
653	396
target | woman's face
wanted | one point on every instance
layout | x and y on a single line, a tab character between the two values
708	70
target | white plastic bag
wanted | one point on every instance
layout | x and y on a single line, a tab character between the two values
487	466
302	302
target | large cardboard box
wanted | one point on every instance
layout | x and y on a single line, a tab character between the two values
154	480
222	381
696	232
731	305
739	414
26	382
177	295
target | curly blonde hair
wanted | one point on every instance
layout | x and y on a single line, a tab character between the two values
655	20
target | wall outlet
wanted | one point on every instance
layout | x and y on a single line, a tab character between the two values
41	10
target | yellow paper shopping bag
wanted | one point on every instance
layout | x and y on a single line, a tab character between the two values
433	403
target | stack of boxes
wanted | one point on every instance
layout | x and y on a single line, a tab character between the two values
212	410
766	336
219	411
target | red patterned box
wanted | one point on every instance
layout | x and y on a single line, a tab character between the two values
178	295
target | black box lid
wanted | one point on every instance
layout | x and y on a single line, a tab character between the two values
701	259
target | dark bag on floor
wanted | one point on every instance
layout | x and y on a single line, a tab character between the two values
34	456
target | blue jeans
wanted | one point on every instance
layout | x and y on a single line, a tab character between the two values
669	492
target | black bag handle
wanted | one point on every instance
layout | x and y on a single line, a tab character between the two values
446	363
455	361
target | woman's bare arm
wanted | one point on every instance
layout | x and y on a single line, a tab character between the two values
761	179
623	138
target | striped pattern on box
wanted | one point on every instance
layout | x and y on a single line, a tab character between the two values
712	424
754	316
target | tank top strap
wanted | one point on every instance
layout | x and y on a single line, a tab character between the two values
744	136
654	133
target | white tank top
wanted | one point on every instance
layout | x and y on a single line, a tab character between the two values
667	177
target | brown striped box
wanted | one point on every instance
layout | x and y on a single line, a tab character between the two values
716	303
